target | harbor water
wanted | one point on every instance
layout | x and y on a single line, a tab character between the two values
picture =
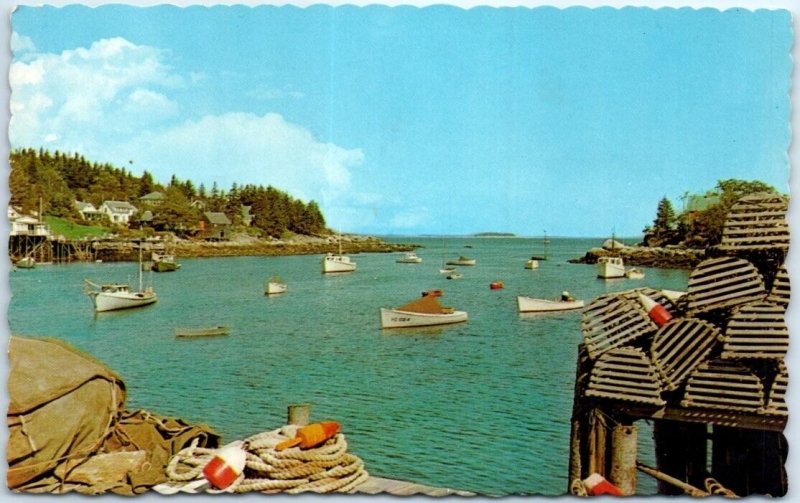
482	406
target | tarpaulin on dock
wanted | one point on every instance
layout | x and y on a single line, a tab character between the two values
68	430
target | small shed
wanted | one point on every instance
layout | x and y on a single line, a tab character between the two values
215	226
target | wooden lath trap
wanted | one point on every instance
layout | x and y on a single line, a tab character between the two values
757	222
681	346
616	319
756	330
776	398
723	282
724	384
625	373
779	294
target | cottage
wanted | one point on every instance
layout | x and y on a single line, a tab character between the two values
215	225
118	212
152	200
88	211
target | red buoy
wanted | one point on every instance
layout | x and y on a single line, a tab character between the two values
655	311
226	465
311	435
596	485
496	285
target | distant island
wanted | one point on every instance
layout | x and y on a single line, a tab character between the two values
495	235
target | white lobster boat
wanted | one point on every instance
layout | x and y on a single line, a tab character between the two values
423	312
462	260
610	267
116	296
531	305
337	262
409	258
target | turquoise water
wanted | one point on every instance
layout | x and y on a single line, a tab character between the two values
482	406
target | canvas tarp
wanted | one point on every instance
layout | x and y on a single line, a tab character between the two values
68	429
425	305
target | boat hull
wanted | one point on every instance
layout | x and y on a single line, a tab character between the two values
201	332
393	318
462	262
531	264
610	270
337	263
276	288
531	305
165	266
114	301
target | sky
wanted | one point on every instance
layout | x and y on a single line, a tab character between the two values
401	120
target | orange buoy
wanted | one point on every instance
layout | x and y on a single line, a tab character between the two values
311	436
226	465
496	285
596	485
655	311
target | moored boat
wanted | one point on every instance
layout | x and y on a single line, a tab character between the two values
532	305
26	263
436	292
117	296
337	262
462	260
634	273
610	267
275	286
409	258
202	332
532	263
496	285
454	275
164	262
423	312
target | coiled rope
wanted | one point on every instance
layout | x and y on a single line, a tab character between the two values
323	469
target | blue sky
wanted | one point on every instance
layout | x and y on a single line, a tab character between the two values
406	120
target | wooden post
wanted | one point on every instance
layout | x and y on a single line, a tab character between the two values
623	458
598	443
578	446
298	414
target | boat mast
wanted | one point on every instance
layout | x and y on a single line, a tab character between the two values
140	267
545	243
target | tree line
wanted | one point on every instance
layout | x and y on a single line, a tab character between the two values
699	225
56	180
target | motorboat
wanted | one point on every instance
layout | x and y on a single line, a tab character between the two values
634	273
532	263
532	305
26	263
162	262
116	296
423	312
409	258
462	260
275	286
610	267
337	262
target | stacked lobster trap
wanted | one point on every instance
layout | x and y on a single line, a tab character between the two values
725	345
717	352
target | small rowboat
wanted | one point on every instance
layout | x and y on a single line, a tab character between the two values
531	305
202	332
275	286
634	273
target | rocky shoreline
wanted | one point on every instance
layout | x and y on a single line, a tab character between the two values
240	246
645	256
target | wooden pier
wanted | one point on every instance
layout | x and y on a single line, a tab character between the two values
712	380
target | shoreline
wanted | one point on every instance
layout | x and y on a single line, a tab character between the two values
645	256
122	250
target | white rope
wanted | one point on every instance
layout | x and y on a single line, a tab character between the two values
326	468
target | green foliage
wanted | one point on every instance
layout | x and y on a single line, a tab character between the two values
57	180
700	228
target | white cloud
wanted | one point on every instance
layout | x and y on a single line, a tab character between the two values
21	43
247	148
272	93
80	95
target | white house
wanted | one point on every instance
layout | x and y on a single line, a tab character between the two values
88	211
26	225
119	212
